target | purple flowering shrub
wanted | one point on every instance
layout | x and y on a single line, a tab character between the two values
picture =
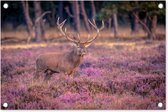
110	77
91	71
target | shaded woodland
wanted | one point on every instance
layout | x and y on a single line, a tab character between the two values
38	17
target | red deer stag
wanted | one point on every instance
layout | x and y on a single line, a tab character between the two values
65	62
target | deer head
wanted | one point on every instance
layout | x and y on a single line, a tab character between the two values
81	46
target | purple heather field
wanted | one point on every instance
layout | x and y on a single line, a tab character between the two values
124	75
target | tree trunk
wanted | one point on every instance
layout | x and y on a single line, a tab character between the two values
38	25
153	27
147	25
85	16
109	23
115	24
134	22
93	10
52	17
76	17
28	20
42	24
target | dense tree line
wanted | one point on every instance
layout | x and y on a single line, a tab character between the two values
114	13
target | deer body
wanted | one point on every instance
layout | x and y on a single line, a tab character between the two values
59	62
66	62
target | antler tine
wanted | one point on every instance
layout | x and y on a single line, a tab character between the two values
78	37
88	36
60	26
58	21
94	22
97	29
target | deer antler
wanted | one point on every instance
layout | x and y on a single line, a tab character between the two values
97	29
60	26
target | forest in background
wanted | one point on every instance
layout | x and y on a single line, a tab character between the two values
37	17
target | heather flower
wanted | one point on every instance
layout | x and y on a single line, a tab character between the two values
116	76
92	71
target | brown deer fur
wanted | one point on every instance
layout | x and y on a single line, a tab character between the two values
59	62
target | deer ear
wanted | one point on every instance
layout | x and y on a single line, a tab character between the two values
87	45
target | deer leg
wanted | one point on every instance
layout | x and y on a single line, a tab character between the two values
54	71
36	75
71	73
48	74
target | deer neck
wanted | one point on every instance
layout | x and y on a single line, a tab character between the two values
75	58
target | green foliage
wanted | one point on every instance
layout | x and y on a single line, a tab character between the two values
150	7
127	6
109	8
52	5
